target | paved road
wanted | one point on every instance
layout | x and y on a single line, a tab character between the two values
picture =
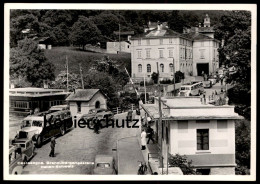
79	145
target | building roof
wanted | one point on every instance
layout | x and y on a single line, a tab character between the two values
83	95
190	108
203	29
166	32
36	92
155	33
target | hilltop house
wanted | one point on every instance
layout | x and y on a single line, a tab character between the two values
82	100
191	52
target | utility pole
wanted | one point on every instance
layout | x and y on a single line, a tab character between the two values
173	69
119	39
67	66
82	82
160	119
144	90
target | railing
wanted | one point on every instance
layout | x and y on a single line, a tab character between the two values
150	155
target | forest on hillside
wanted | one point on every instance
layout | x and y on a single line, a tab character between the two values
60	25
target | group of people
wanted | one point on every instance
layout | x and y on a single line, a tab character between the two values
148	133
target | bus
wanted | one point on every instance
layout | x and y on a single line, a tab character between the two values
43	126
191	89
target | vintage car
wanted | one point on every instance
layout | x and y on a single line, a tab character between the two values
104	165
27	148
45	125
213	80
207	84
104	116
15	157
91	114
58	108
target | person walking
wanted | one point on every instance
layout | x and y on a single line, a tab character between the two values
96	125
150	134
143	139
53	142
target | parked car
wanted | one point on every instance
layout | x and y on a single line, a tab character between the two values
104	165
213	80
91	114
56	108
106	115
27	148
15	157
207	84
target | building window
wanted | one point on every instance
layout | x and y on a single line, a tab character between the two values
162	68
97	104
161	53
202	44
170	40
170	53
202	139
161	41
148	41
202	56
139	54
148	54
149	68
171	67
139	68
139	42
78	106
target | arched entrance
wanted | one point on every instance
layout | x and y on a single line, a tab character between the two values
97	105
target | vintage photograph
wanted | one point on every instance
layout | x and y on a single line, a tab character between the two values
94	90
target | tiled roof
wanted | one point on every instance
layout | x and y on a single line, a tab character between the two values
164	32
82	95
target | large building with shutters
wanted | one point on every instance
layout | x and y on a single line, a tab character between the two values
193	52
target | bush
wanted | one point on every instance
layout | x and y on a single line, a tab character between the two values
181	162
178	76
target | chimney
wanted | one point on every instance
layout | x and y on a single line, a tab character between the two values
199	24
196	30
45	84
184	30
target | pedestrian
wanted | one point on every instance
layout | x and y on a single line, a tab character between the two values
143	139
150	134
53	142
96	125
221	80
204	97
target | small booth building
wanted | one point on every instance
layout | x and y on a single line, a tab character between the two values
205	133
82	100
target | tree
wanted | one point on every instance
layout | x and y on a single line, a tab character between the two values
155	77
84	31
182	162
235	30
178	76
243	147
74	81
176	22
28	61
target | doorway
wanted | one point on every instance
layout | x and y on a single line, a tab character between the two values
203	67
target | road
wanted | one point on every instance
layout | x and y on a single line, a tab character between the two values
78	145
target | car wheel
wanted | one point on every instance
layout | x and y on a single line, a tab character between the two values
39	142
62	130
